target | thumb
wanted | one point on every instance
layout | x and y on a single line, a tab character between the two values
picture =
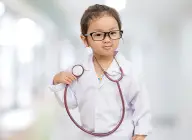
134	138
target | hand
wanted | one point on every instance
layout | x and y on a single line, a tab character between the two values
64	77
139	137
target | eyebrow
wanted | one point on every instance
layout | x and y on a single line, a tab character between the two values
100	30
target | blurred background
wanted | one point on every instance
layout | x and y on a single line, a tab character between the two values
40	37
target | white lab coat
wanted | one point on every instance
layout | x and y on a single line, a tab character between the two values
99	103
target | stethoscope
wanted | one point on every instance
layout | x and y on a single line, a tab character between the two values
78	71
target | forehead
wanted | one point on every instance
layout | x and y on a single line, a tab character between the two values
104	23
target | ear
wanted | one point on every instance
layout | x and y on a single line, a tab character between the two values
84	39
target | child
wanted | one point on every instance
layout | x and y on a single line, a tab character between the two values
96	97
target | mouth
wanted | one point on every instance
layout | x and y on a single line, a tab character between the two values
107	47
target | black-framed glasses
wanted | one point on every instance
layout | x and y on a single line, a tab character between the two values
99	36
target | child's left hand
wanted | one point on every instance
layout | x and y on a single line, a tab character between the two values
139	137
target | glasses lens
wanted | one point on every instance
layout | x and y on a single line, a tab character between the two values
115	34
98	36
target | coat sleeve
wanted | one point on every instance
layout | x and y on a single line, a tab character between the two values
58	90
141	108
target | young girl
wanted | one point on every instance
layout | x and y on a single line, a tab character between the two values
96	97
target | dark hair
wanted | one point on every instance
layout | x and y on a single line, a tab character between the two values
96	11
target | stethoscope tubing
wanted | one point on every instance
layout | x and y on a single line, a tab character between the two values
122	100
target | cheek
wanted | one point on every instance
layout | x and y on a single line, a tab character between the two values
116	43
97	45
94	44
90	41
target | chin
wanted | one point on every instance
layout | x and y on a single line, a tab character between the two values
108	53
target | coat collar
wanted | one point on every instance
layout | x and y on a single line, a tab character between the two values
123	63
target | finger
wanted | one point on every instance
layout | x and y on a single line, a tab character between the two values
134	138
139	138
73	76
65	81
70	75
68	80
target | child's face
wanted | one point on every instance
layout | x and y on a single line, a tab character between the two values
101	45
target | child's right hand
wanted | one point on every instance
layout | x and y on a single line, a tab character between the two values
64	77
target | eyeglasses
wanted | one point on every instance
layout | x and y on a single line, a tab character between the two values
99	36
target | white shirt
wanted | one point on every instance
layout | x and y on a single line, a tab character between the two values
100	105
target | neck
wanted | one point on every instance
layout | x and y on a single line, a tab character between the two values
103	59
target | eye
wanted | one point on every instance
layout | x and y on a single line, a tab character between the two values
98	34
113	32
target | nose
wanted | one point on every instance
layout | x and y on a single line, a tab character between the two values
107	38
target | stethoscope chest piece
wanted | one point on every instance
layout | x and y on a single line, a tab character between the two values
78	70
